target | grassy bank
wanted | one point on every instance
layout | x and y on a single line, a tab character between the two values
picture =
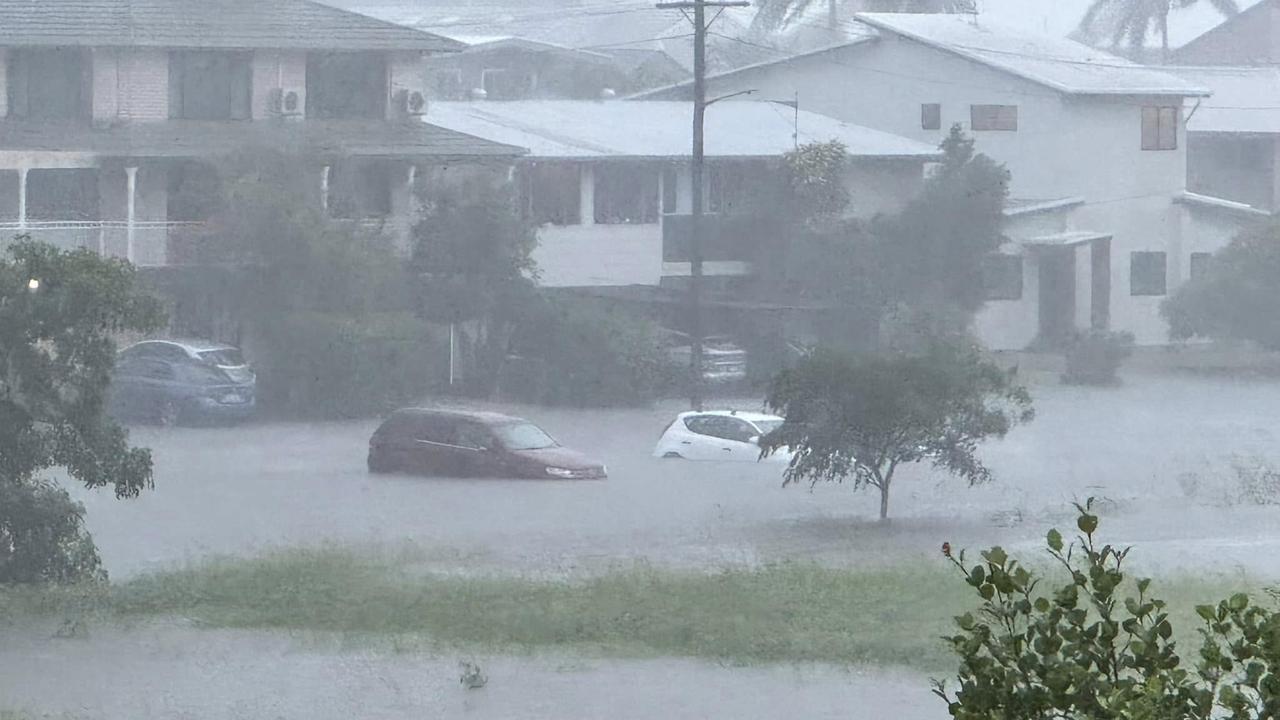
783	613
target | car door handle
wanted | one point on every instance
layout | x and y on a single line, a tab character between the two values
727	449
686	442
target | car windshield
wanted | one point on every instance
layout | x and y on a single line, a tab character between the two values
226	357
523	436
768	426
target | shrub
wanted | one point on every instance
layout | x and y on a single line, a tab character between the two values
1094	358
333	366
584	355
42	536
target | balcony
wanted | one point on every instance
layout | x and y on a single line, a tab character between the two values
147	244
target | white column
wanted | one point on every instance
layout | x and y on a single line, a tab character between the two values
324	188
587	195
131	209
22	199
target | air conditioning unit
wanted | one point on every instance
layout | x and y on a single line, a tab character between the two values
411	103
286	103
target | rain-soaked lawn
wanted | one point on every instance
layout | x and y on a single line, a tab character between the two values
790	612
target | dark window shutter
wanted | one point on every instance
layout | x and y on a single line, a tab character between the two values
17	71
176	69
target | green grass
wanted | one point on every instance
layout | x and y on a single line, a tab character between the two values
782	613
787	612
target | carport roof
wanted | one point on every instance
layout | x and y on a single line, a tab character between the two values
1065	239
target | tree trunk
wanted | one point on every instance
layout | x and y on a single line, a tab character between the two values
884	500
1164	37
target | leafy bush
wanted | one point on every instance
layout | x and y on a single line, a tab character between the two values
328	366
42	536
583	355
1102	645
1094	358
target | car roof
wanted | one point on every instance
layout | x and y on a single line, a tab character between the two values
188	344
748	416
483	417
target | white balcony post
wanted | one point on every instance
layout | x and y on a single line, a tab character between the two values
587	195
324	187
131	182
22	199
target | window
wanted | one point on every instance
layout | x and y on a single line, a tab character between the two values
553	194
194	191
447	84
626	195
342	85
719	426
994	117
726	189
1160	128
359	189
50	84
1200	263
210	85
1147	273
931	116
64	195
9	181
670	191
1002	277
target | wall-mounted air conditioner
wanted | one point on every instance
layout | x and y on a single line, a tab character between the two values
286	103
410	103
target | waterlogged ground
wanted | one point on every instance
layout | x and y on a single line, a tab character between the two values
1162	451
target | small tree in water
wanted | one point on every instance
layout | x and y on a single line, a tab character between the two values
861	418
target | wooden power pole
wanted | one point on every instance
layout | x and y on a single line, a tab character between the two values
700	27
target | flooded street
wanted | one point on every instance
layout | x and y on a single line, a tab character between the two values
1159	451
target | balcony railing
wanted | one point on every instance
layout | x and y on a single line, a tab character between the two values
145	243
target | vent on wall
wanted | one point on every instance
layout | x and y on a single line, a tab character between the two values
286	103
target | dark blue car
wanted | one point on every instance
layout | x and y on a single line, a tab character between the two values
182	381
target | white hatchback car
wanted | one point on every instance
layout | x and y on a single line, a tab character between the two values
725	435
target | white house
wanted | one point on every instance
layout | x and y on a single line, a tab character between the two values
1095	143
607	179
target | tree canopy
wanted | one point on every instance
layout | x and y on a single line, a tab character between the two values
1236	296
860	418
1131	22
59	312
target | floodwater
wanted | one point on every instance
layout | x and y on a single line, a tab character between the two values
1159	451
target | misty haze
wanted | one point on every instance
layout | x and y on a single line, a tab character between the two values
670	359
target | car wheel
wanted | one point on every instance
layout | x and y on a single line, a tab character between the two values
673	456
168	414
378	466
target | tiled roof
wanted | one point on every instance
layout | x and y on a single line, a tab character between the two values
248	24
191	138
644	129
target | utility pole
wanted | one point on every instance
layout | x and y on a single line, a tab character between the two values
700	26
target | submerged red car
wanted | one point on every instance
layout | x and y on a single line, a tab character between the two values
454	443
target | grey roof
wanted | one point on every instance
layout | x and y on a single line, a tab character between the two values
1063	65
192	138
585	129
249	24
1245	99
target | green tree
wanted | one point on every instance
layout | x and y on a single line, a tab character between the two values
1102	646
860	418
1235	298
59	312
473	256
1133	21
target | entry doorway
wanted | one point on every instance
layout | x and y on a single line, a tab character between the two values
1057	296
1100	301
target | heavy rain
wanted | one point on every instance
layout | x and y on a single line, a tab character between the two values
572	359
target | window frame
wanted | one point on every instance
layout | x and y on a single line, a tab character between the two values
1148	287
994	118
931	116
1198	264
1160	126
236	68
611	191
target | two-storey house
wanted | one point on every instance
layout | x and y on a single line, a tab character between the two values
1098	230
111	111
609	182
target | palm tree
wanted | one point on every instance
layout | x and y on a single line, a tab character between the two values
774	15
1132	21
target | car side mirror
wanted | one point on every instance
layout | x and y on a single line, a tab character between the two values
755	440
